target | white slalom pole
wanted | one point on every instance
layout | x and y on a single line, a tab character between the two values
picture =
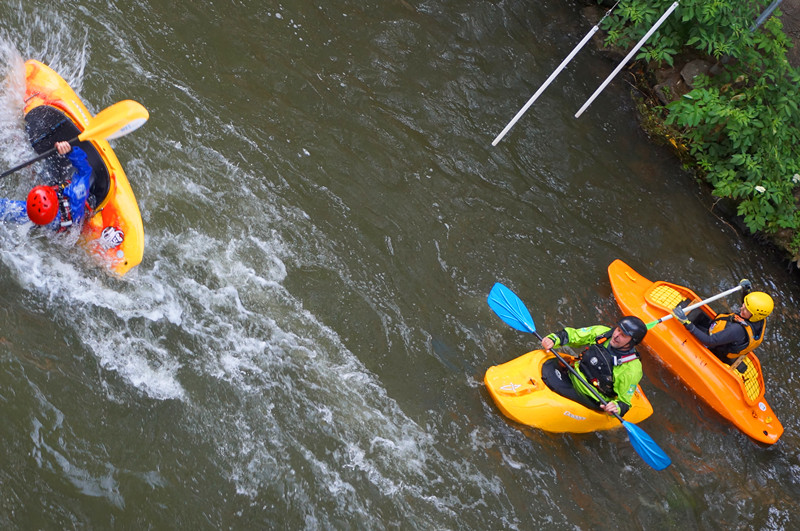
627	58
712	299
552	76
545	85
696	305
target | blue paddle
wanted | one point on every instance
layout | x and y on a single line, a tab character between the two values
513	312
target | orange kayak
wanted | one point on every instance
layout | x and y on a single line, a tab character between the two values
519	392
738	397
113	232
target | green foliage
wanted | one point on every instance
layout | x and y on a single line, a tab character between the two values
741	125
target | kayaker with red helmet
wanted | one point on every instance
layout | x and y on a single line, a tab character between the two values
610	363
731	335
56	206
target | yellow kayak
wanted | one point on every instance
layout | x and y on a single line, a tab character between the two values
519	392
113	232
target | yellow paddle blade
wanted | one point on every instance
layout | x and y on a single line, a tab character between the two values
115	121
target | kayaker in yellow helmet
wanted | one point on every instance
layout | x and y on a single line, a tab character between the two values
610	363
731	335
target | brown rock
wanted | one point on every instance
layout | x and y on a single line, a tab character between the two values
669	85
692	69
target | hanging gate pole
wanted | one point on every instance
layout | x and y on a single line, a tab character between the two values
627	58
552	76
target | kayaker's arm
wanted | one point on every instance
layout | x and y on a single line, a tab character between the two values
13	211
576	337
727	336
730	335
78	189
80	161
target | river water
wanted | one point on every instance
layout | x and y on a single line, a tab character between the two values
303	346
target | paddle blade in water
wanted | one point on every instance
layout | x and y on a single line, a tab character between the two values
647	447
510	309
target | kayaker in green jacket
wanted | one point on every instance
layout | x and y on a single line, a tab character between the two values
610	363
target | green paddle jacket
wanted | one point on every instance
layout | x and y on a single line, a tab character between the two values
626	375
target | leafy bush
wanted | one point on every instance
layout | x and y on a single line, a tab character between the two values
740	125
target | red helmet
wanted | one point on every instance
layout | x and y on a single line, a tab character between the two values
42	205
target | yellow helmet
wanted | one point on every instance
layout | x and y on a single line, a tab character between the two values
759	304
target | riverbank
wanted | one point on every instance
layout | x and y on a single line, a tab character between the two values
658	85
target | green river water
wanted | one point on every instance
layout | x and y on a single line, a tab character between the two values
304	344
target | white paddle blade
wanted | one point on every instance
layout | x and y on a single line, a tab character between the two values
115	121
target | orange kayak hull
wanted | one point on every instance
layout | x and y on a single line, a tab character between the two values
519	392
737	397
114	235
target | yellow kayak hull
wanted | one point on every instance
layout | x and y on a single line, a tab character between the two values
113	233
519	392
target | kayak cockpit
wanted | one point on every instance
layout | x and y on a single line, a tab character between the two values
47	125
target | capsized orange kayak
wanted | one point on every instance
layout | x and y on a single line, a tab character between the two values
737	397
113	232
519	392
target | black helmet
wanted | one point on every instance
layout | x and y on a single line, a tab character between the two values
634	327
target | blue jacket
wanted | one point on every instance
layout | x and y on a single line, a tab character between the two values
77	192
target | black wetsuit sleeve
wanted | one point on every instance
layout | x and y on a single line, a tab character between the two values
730	335
563	337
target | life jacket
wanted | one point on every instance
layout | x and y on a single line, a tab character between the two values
63	207
741	348
598	362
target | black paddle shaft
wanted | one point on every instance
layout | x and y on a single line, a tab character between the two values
36	159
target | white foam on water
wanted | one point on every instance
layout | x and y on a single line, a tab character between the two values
303	400
71	289
295	416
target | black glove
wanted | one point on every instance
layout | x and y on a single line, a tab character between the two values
746	286
680	315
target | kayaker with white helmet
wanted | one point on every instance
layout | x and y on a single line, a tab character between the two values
610	363
731	335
